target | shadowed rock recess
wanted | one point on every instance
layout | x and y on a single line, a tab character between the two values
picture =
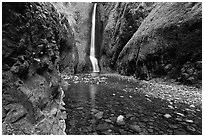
45	45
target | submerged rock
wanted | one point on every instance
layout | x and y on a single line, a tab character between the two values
120	120
99	115
167	115
135	128
102	127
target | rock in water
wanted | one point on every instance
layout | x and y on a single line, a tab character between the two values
94	111
102	127
113	119
192	106
72	122
108	120
128	116
135	128
189	121
167	115
191	129
150	130
80	108
180	114
99	115
120	120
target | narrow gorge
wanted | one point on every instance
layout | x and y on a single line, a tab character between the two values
102	68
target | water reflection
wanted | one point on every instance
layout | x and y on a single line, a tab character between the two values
93	90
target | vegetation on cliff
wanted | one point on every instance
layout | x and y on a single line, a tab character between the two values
37	45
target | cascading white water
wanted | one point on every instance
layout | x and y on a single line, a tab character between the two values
93	59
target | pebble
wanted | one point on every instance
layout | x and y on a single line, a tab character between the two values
189	121
89	129
161	132
122	132
121	123
108	132
99	115
94	133
183	123
189	111
151	127
72	122
173	126
102	127
79	108
93	111
171	103
108	120
141	124
180	114
135	128
169	130
92	121
120	120
171	107
137	115
192	106
113	119
191	129
150	130
167	115
178	119
145	119
129	116
156	128
144	132
151	123
179	132
151	120
147	96
134	119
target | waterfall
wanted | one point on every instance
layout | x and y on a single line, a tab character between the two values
93	59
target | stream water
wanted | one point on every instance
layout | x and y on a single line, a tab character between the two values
107	105
93	105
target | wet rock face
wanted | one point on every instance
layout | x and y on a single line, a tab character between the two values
152	39
37	45
121	23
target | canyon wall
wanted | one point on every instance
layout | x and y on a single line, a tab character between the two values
38	45
154	39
